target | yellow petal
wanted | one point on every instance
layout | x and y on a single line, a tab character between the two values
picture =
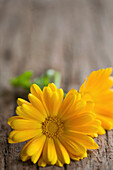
79	106
81	90
22	124
23	155
60	98
93	135
21	136
75	110
62	153
23	113
37	104
29	112
96	82
22	101
60	94
85	140
101	131
41	162
95	77
11	119
36	155
81	120
56	101
105	97
10	137
104	109
36	91
107	122
49	152
58	163
33	113
66	105
54	104
98	89
77	158
85	129
47	93
11	141
108	83
73	147
35	145
72	91
52	86
89	107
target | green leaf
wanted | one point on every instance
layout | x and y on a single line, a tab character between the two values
22	80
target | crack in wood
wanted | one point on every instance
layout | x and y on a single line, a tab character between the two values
90	159
6	153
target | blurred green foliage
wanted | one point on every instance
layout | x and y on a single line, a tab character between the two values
24	80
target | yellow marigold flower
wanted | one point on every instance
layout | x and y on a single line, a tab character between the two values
97	88
56	129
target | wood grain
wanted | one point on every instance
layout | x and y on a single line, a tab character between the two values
72	36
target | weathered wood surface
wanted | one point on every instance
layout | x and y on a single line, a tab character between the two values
72	36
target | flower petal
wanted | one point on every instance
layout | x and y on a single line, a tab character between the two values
101	131
36	91
23	155
22	101
33	112
107	122
37	104
58	163
72	146
21	136
104	109
62	153
29	112
35	157
66	105
55	103
35	145
41	162
85	140
97	88
22	124
85	129
47	93
49	152
52	86
11	119
77	158
81	120
75	110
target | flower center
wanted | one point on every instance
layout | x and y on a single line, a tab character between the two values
52	127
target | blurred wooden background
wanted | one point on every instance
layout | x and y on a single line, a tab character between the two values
72	36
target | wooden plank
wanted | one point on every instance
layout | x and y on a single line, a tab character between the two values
9	153
52	168
74	37
98	159
71	40
2	149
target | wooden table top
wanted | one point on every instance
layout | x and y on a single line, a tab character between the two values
72	36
